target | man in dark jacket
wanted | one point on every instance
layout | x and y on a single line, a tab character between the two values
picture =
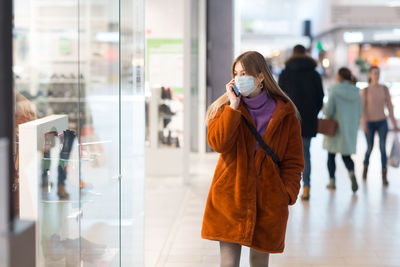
302	83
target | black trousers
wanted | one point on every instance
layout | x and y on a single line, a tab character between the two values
348	162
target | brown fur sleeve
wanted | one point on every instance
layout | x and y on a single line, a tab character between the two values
292	163
223	129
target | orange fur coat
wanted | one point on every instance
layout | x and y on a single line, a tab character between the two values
249	195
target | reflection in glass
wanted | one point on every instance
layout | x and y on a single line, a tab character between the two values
46	56
78	69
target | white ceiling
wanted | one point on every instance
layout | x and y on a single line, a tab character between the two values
288	15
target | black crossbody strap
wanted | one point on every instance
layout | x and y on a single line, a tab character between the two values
261	142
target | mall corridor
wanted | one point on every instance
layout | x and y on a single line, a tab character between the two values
110	111
333	229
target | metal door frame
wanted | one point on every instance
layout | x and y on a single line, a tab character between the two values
7	91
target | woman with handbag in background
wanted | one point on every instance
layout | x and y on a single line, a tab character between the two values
255	128
343	106
374	99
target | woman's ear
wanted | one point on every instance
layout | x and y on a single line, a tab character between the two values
260	78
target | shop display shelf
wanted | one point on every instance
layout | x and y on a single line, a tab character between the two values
63	99
61	82
62	61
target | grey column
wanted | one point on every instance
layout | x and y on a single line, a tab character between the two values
220	47
6	86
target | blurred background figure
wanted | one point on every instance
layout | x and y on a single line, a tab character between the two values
24	112
303	85
374	100
344	106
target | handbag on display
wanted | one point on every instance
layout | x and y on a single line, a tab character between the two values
327	127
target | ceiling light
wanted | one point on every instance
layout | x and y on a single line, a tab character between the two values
353	37
325	63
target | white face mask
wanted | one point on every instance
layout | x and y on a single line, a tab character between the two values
245	84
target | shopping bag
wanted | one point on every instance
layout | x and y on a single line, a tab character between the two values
394	159
327	126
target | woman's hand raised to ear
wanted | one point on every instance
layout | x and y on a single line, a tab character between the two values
233	99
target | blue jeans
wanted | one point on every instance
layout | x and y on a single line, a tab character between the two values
382	128
307	161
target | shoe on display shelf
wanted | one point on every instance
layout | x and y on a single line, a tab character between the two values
62	193
165	110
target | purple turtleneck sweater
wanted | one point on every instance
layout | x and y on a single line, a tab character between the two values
260	108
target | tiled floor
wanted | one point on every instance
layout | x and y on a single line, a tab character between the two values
332	229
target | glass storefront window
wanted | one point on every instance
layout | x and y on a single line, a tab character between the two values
78	69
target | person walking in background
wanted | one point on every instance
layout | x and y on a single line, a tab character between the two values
374	100
24	112
343	106
256	130
302	83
